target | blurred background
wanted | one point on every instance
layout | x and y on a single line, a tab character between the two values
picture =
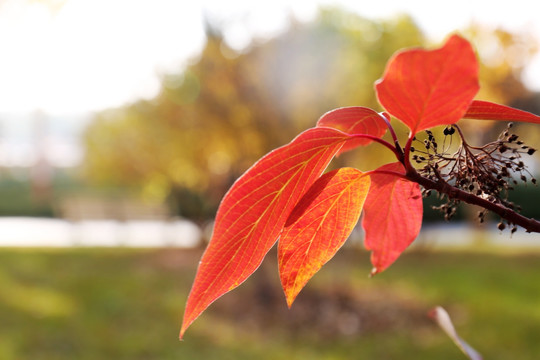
123	123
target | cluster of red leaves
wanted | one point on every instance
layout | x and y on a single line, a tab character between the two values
285	196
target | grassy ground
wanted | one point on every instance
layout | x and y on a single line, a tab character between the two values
127	304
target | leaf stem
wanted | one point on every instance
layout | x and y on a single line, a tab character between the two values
405	160
397	146
385	143
383	115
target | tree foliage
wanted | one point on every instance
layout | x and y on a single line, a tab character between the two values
217	116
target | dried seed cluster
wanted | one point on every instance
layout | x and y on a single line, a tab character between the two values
489	171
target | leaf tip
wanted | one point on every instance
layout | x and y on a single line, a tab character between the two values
290	299
183	330
374	272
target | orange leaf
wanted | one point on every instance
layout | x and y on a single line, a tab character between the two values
253	213
426	88
392	216
355	120
319	225
485	110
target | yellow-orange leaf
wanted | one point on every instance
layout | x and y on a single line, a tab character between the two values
319	225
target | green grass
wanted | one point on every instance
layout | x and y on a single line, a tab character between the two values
127	304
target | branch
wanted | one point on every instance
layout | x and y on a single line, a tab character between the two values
529	224
395	149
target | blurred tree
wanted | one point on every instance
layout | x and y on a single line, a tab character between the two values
212	120
504	57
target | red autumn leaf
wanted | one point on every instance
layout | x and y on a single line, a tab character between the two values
392	215
254	211
426	88
485	110
319	225
355	120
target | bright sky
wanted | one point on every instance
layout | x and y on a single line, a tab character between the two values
91	54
